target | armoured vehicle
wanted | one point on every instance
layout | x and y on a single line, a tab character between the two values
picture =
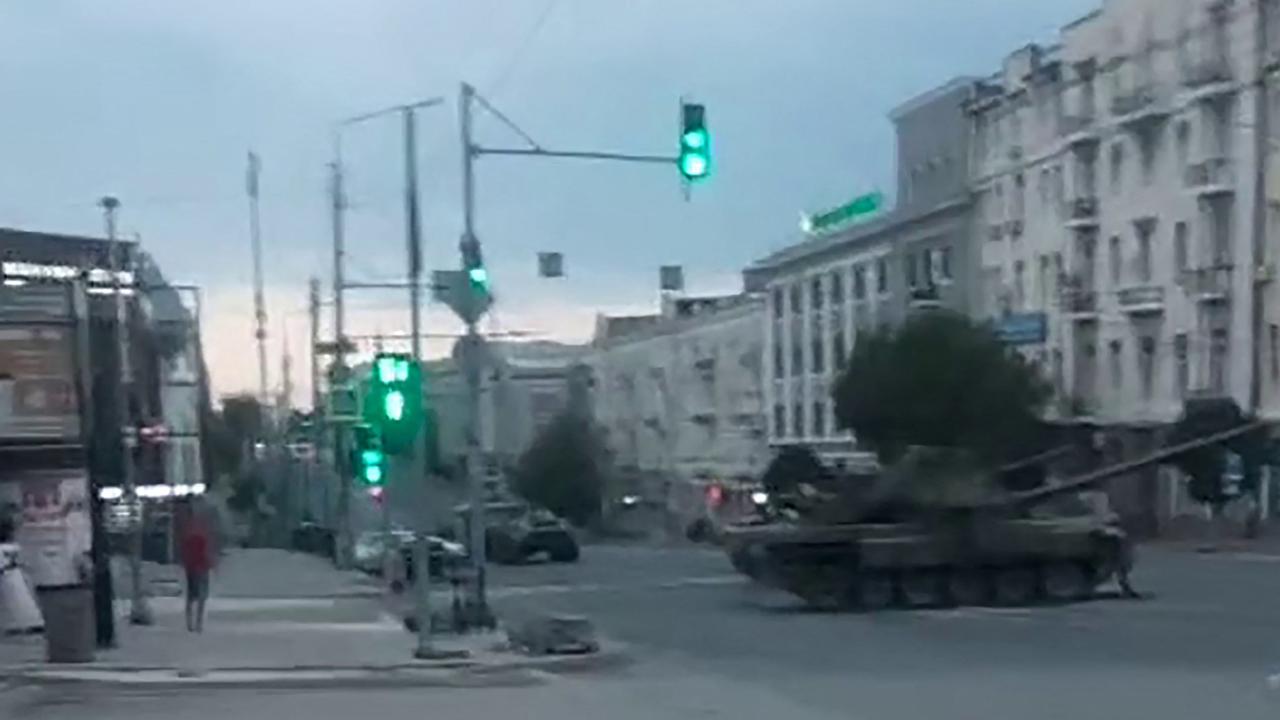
936	529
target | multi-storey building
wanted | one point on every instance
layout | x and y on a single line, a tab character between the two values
839	282
1117	195
678	395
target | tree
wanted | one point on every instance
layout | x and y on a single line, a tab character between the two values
563	470
941	380
792	466
1207	466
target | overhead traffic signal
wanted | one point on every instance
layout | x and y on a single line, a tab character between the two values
473	264
393	405
695	142
368	459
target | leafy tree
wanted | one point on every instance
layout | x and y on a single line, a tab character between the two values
941	380
792	466
564	470
1206	466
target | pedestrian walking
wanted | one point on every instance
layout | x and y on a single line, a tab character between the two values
197	561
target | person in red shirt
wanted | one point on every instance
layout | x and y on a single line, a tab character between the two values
197	560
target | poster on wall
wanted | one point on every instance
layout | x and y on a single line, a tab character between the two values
37	383
55	532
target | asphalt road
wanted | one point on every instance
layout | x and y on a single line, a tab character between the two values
1203	645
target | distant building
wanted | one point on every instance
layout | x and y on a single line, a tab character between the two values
526	385
679	397
839	282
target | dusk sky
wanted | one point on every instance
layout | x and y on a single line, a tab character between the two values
157	102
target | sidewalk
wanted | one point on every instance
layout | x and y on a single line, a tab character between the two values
272	617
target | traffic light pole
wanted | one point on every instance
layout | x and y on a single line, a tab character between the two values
471	370
472	357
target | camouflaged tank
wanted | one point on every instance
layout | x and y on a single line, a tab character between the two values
932	530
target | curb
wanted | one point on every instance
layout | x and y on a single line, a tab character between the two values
513	671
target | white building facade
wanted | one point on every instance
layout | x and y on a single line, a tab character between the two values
679	395
834	285
1120	182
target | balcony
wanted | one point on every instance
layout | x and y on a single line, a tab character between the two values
1079	304
1208	79
1208	284
1078	131
1140	108
1143	299
1083	213
925	297
1215	176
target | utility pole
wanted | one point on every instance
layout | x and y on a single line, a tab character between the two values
472	370
1261	153
313	317
339	375
259	303
139	611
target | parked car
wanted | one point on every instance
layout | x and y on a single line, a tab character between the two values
445	556
516	532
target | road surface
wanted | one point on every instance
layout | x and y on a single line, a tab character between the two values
1206	644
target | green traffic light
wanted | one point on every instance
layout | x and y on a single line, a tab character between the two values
693	165
478	276
393	405
373	474
695	139
386	370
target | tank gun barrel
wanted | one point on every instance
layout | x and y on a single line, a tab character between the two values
1090	479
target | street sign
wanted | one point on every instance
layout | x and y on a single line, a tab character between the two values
671	278
550	265
344	404
455	289
843	215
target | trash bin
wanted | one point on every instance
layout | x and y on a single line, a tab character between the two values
68	623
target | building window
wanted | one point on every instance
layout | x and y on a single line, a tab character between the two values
1117	367
797	420
777	302
1218	352
882	276
819	359
909	264
1183	362
1144	253
837	288
1183	139
797	358
841	352
1180	259
815	292
1019	285
780	420
779	358
1147	366
1115	259
1019	196
1117	166
1058	371
797	299
860	282
819	419
944	263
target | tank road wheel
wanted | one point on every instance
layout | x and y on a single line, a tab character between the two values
968	586
874	590
923	587
1017	585
822	591
1067	581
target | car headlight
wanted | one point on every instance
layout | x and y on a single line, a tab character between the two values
760	497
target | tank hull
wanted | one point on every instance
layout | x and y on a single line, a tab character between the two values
878	566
